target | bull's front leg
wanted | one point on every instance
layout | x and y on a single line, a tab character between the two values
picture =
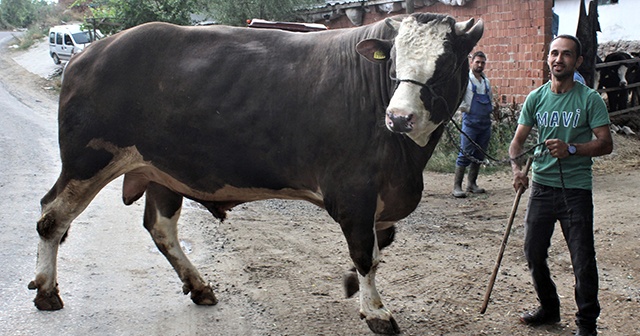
385	233
372	310
360	234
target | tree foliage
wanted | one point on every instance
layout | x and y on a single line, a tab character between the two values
21	13
236	12
123	14
129	13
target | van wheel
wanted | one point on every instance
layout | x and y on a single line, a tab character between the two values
56	59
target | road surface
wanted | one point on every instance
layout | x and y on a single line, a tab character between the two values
113	280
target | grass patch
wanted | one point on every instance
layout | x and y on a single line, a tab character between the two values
504	123
29	37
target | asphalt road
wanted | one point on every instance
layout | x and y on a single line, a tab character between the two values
112	279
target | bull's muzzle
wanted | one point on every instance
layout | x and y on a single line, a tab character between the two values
400	123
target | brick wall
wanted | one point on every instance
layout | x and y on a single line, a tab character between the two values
515	38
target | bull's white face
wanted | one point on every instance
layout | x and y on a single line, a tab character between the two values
417	47
430	66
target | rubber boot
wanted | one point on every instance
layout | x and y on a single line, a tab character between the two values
474	168
457	183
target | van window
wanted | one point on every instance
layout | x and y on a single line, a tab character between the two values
58	38
82	37
67	40
52	37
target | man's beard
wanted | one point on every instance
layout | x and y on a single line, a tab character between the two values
563	75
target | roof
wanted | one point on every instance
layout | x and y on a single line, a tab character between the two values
291	26
333	9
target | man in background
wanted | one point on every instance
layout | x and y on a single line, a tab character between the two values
476	109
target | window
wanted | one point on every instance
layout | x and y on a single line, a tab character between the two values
52	38
58	38
607	2
82	37
67	40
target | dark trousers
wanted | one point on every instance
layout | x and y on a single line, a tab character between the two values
480	135
546	206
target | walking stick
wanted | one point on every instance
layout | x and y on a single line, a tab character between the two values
514	208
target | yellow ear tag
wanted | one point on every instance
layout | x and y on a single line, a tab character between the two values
379	55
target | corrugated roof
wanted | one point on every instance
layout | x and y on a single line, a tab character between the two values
353	3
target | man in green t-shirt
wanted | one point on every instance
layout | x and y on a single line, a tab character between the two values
573	122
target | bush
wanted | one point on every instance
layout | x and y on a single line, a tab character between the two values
28	39
504	123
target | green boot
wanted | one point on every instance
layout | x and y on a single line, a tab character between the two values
457	183
473	176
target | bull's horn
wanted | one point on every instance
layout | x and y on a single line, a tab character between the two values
463	27
476	32
393	24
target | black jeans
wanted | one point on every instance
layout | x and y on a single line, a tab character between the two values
546	206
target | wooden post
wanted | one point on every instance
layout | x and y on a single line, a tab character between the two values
410	6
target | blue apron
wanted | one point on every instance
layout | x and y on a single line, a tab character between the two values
477	125
479	115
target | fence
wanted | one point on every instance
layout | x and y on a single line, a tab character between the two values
634	88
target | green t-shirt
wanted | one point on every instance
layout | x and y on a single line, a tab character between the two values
570	117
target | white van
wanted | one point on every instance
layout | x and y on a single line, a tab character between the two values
67	40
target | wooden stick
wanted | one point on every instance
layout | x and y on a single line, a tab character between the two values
514	208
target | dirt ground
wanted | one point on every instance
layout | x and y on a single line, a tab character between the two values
283	260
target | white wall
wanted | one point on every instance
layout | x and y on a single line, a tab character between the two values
618	22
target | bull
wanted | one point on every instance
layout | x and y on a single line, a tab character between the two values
345	119
618	76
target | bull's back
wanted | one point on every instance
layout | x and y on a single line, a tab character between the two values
250	105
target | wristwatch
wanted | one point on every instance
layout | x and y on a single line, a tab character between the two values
572	149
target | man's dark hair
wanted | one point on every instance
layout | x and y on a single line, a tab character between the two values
572	38
478	54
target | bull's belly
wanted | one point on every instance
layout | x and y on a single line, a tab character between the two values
136	181
139	173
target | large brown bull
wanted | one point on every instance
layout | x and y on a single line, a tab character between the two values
224	115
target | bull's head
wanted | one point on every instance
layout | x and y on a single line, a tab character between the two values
429	63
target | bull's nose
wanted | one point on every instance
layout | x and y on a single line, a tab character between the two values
400	123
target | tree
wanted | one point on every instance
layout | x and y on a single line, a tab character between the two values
134	12
236	12
129	13
18	13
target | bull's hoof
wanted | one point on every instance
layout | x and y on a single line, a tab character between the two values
47	300
204	297
350	283
385	327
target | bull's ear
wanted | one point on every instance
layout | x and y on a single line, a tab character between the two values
374	50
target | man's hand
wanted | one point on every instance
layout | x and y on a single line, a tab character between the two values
557	148
520	180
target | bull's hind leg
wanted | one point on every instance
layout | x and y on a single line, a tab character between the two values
161	213
60	206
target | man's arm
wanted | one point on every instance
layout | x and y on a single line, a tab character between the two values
601	145
466	101
520	179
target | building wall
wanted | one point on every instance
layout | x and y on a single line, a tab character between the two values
516	35
617	21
